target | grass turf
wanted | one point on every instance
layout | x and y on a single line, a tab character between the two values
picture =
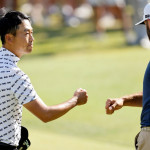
104	75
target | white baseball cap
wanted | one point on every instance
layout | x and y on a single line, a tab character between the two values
146	15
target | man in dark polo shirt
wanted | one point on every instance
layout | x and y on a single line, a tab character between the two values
141	99
16	89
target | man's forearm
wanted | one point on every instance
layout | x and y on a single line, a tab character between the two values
133	100
49	113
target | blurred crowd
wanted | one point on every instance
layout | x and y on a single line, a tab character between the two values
104	14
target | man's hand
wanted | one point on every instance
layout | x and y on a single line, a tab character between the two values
81	95
113	104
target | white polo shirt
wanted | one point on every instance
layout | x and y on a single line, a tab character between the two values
15	90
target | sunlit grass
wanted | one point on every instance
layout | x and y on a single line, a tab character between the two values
104	75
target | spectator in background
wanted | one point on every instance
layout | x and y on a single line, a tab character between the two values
105	13
2	3
69	8
139	31
128	12
11	4
102	8
98	10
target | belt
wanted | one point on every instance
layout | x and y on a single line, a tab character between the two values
145	129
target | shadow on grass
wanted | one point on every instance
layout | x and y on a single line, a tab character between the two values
60	40
67	32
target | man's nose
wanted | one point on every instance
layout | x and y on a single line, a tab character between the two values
31	38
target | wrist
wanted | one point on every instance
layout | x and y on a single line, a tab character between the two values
127	100
124	101
74	100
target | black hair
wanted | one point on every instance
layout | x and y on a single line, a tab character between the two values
10	22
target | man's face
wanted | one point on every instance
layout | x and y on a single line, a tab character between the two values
23	40
147	23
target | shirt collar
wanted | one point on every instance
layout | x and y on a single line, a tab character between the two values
6	53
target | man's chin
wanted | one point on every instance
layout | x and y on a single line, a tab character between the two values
29	50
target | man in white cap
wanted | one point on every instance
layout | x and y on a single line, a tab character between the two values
135	34
142	99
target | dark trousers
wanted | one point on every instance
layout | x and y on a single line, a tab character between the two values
4	146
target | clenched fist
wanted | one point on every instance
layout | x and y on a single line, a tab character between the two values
113	105
81	95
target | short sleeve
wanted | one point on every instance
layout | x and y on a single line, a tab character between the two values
22	88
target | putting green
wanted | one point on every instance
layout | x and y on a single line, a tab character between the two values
42	140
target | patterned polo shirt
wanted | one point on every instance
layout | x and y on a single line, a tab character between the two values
15	90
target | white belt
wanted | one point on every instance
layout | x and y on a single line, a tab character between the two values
145	129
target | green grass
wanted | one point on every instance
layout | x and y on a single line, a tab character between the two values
59	141
104	75
66	59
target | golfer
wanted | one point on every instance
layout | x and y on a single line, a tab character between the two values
142	140
16	89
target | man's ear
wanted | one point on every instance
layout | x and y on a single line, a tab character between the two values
9	38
